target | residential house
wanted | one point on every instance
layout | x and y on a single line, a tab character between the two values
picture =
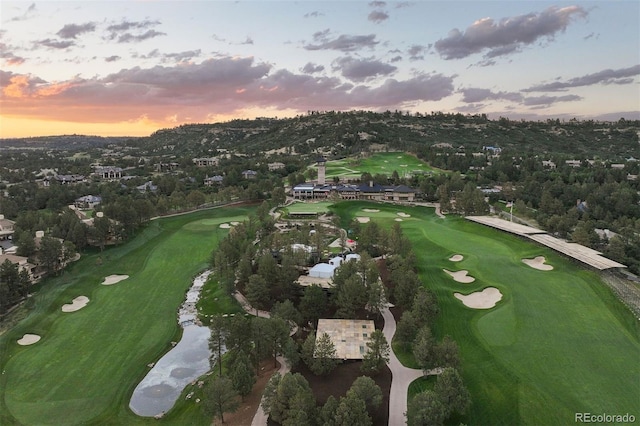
147	187
206	162
108	172
87	202
213	180
22	262
249	174
6	228
275	166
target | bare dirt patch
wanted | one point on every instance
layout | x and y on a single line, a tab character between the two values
461	276
538	263
244	415
114	279
485	299
29	339
338	382
77	304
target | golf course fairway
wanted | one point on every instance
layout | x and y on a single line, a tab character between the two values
87	363
557	343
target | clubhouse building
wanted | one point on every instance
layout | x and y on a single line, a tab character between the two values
370	191
365	191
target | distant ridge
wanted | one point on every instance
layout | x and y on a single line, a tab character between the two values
62	142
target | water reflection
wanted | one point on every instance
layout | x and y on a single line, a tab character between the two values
187	361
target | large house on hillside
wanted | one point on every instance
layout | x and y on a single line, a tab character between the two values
366	191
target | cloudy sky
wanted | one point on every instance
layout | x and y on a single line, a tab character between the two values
131	67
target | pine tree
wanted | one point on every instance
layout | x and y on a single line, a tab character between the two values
220	398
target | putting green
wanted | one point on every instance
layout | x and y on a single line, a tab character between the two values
557	343
381	162
309	207
87	364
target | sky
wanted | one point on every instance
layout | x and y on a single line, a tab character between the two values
116	68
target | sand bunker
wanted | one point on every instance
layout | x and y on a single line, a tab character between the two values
114	279
456	258
371	210
461	276
484	299
363	219
538	263
225	226
397	219
77	304
235	223
403	214
29	339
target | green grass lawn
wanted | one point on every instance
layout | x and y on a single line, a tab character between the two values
88	362
381	162
557	343
308	207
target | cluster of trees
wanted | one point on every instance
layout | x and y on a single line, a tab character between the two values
289	400
238	345
448	397
573	202
14	285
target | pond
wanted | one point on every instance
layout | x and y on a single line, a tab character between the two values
185	362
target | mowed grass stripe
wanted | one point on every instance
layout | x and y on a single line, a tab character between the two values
557	343
88	362
380	162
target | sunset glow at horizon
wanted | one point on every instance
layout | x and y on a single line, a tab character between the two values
116	68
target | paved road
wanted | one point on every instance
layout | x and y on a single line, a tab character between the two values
401	376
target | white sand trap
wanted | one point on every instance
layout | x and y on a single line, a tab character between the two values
538	263
29	339
461	276
397	219
371	210
363	219
484	299
456	258
403	214
114	279
225	226
404	165
386	161
77	304
235	223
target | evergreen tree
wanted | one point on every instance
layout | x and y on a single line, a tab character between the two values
367	390
377	355
242	374
220	397
313	304
452	392
320	354
426	408
219	333
424	349
352	411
